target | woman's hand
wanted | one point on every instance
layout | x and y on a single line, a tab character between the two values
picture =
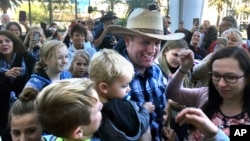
187	59
197	118
14	72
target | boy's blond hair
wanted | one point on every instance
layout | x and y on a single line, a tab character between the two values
64	105
108	65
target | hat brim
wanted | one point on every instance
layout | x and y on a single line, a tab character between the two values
119	30
107	18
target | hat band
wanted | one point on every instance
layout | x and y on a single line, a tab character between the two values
146	30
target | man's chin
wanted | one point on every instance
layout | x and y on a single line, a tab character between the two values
146	65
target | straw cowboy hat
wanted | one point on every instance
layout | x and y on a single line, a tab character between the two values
143	22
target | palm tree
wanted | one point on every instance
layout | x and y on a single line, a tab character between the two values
7	4
219	4
132	4
111	4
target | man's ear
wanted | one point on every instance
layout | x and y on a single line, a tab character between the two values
103	87
126	40
77	133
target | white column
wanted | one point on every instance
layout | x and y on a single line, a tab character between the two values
185	10
192	9
174	14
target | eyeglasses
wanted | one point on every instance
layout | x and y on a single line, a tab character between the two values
228	78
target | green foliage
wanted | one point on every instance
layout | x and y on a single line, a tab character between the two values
241	10
121	22
7	4
219	3
132	4
111	4
56	5
38	13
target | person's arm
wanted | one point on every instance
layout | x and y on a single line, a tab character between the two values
59	36
220	136
65	34
2	75
197	118
143	114
201	68
195	97
30	62
25	24
98	41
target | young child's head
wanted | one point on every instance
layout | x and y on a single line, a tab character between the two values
70	108
53	56
111	73
79	64
23	119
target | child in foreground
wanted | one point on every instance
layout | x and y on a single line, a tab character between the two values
23	120
70	110
122	120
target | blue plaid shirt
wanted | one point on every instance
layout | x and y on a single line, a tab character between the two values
150	87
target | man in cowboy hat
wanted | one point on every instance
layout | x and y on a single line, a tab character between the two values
142	37
102	38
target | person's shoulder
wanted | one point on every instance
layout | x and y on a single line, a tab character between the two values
118	106
49	138
28	56
245	46
118	102
88	47
155	68
94	138
65	75
99	32
37	81
211	47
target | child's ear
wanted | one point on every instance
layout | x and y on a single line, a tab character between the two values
45	60
77	133
103	87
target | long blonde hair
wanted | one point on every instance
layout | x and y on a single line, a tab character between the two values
48	50
164	65
172	44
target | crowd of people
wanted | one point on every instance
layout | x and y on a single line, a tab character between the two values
100	81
